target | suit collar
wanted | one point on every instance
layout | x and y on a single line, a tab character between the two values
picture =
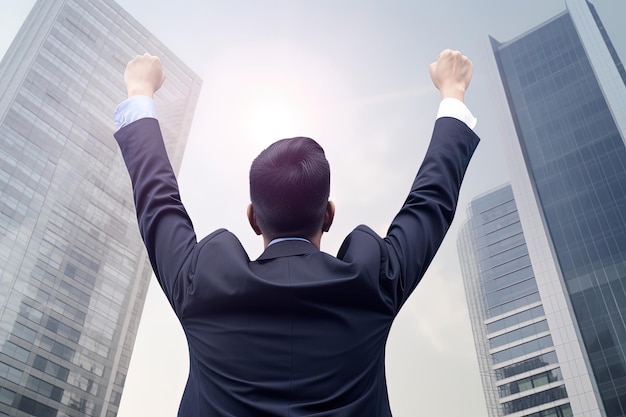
287	248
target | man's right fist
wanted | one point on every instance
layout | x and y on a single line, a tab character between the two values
451	74
143	75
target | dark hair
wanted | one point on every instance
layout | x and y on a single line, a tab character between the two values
289	188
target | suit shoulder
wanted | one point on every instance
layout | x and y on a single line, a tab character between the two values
361	242
218	237
222	242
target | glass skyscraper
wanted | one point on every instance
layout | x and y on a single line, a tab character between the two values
73	270
517	359
565	89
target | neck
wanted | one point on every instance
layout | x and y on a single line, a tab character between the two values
315	240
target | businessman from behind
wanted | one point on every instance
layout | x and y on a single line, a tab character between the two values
296	332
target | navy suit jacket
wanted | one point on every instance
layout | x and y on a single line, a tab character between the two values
297	332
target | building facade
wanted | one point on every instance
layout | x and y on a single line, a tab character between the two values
73	270
565	130
518	363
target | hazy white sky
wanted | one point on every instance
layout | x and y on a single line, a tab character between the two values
353	74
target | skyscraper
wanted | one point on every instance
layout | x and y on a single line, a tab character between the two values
73	271
564	87
518	363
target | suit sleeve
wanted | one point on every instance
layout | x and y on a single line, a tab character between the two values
418	229
164	225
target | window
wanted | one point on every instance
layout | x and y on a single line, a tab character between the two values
534	400
526	365
6	396
534	381
10	373
523	349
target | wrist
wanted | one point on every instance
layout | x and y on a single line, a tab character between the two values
140	90
457	93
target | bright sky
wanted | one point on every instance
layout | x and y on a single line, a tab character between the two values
353	74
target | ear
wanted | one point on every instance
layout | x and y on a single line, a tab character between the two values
329	215
252	220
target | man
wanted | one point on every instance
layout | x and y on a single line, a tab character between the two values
296	332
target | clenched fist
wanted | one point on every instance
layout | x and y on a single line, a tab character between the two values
451	74
144	75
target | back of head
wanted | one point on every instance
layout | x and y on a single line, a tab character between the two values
289	188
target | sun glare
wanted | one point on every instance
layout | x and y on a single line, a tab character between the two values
263	92
269	121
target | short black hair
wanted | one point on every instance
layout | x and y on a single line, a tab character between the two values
289	188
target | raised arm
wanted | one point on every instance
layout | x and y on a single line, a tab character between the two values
420	226
163	222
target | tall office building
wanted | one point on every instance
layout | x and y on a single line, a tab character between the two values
73	271
564	87
518	363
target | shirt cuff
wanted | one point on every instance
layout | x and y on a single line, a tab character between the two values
133	109
452	107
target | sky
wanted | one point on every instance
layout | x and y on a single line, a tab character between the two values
352	74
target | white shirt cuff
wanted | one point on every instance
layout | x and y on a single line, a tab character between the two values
133	109
452	107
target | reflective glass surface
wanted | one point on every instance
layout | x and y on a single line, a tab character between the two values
521	317
564	410
508	318
73	273
526	365
506	275
534	400
534	381
521	333
576	158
